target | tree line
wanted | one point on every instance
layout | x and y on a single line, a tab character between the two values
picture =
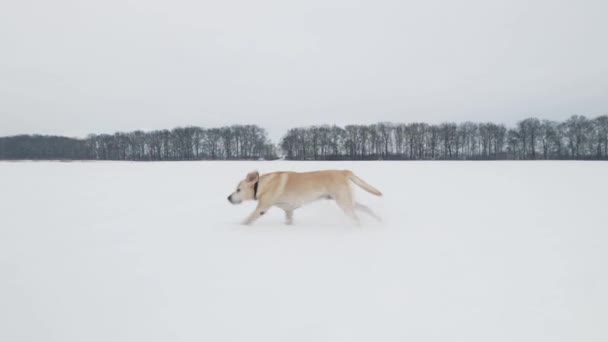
578	137
575	138
181	143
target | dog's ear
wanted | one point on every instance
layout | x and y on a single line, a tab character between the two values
252	177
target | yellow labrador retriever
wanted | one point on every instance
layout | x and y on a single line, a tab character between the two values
290	190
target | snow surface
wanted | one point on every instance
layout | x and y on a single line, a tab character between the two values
469	251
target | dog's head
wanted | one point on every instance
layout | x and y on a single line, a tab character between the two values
245	189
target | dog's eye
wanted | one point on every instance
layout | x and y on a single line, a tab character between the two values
238	190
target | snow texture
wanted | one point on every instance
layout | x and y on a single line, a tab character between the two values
469	251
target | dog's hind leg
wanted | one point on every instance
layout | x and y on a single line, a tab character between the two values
367	210
346	203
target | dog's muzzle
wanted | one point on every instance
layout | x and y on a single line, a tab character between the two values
232	201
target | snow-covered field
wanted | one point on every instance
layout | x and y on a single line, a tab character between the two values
469	251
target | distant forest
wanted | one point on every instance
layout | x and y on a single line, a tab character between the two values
577	138
182	143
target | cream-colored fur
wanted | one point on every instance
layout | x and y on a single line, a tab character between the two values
290	190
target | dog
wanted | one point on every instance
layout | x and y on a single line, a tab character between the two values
291	190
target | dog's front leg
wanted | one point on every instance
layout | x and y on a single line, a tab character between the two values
289	216
259	211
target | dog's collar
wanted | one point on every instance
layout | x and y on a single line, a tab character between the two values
255	190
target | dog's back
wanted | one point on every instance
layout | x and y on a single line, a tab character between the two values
321	183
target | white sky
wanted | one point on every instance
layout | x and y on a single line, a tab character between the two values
78	67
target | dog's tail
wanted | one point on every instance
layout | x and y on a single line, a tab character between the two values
362	184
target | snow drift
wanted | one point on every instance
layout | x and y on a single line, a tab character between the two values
469	251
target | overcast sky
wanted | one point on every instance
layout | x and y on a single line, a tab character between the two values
78	67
